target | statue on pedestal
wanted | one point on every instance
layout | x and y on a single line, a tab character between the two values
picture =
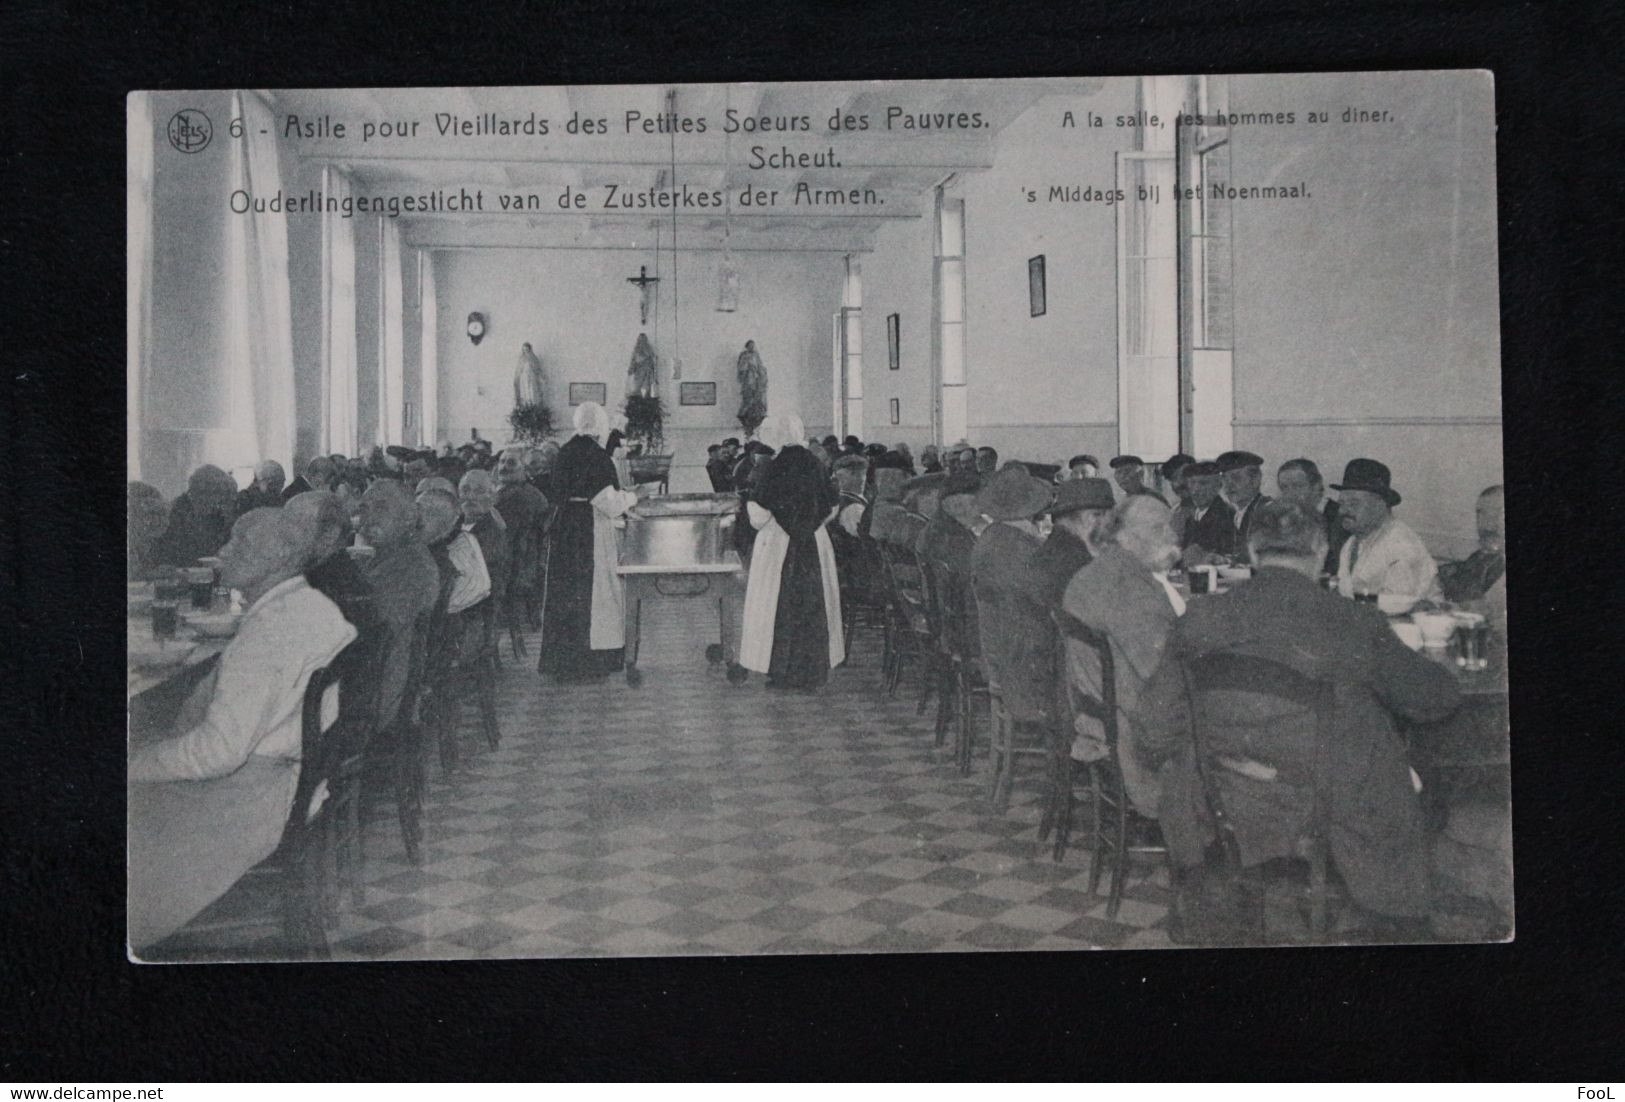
527	378
642	377
752	388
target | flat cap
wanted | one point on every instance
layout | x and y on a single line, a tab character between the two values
1127	461
1236	461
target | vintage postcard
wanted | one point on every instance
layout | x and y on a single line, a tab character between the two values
896	516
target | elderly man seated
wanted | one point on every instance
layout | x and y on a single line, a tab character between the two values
1082	466
331	571
1243	488
1079	508
527	513
1014	636
1207	524
921	496
265	492
209	804
1299	480
1129	473
465	581
1473	577
1125	595
199	519
405	584
949	538
1265	756
887	512
851	471
319	475
1383	557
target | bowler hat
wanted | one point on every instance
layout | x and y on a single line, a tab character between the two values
1082	493
1236	461
1013	494
1080	460
732	440
400	451
1127	461
1370	476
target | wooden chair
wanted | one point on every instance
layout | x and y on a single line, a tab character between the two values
1112	814
857	566
942	662
462	661
1213	683
964	646
993	610
910	626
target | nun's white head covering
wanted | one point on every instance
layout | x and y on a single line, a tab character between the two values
783	431
591	419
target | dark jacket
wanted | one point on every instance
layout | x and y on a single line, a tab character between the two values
1215	531
1245	525
1062	556
190	535
1014	631
256	498
1376	833
296	487
341	581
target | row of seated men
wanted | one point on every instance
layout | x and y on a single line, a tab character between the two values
1074	546
210	794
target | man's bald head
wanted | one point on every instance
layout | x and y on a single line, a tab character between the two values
437	514
266	546
388	516
476	495
1141	525
270	477
330	525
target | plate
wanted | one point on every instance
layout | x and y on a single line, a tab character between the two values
215	625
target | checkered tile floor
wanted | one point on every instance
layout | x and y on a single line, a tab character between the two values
692	816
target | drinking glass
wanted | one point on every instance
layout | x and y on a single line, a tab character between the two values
165	619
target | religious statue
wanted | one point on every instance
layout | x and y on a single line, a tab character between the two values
752	388
642	377
527	378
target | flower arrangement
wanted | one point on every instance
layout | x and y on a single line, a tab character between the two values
532	422
645	420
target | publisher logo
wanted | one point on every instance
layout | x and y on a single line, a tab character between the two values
190	131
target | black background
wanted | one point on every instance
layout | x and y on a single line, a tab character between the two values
72	1009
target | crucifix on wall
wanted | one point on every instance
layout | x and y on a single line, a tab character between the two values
645	283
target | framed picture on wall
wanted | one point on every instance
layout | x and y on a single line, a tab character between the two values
697	394
894	355
1037	295
588	392
896	409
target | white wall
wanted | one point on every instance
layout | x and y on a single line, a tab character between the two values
581	318
1041	388
1367	319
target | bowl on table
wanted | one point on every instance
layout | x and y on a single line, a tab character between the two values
1408	633
1234	574
1436	627
215	625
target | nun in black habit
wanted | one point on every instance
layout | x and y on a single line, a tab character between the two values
584	604
792	621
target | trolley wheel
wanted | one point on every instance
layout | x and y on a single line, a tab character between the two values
737	673
634	677
713	654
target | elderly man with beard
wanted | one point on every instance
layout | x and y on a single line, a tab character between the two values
199	519
1125	594
210	804
1206	524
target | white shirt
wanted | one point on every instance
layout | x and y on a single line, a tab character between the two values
473	581
1391	562
258	694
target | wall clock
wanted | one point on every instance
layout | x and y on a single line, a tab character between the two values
476	327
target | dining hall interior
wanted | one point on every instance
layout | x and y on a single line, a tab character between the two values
837	539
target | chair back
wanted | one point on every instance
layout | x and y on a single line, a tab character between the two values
960	627
990	611
326	738
1228	673
905	588
1078	700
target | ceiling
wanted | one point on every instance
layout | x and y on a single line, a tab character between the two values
892	169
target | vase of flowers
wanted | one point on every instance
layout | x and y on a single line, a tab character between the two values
532	422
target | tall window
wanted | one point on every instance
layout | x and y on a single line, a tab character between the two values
1148	398
138	184
849	354
427	307
1206	273
340	403
391	319
949	413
